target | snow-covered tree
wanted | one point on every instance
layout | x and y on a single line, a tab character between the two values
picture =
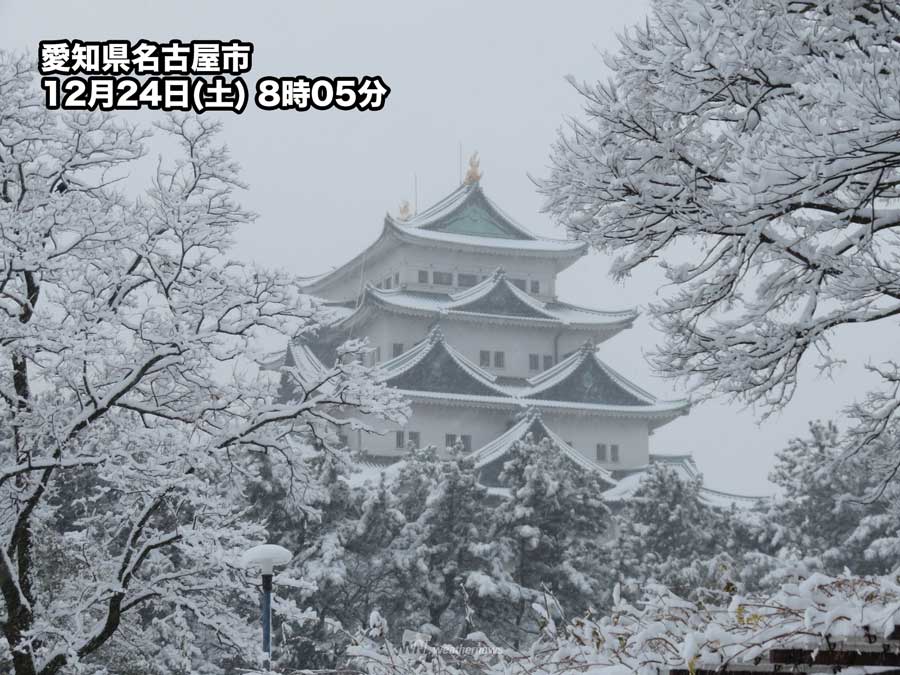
666	533
547	537
131	408
345	567
822	519
444	542
816	617
819	509
751	149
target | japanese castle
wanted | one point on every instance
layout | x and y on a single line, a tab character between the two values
460	308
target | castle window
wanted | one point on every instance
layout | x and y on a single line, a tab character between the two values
423	276
614	453
601	452
414	438
450	440
466	280
535	286
499	360
466	441
442	278
534	362
548	361
397	279
401	440
484	358
518	283
387	283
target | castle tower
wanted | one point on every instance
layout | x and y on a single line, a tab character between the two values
460	307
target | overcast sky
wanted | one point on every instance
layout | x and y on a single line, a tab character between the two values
487	75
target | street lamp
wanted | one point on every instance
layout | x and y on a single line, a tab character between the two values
266	557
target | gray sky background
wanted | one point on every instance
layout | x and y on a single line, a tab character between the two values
488	75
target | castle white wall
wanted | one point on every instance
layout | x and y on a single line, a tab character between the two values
434	422
470	338
414	259
404	261
583	432
373	269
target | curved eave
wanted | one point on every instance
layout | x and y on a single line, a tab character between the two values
607	325
534	248
567	367
657	415
322	281
500	446
607	329
628	486
563	250
407	361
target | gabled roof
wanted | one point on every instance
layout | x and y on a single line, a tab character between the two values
467	217
463	220
433	365
434	371
468	211
496	299
490	456
496	295
584	378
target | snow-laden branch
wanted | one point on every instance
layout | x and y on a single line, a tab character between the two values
133	414
752	149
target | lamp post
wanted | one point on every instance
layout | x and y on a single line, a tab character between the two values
266	557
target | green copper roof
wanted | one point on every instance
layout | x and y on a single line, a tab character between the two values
476	218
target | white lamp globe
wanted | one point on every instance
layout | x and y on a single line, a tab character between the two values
266	557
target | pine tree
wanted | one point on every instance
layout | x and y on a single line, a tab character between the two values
667	533
823	513
548	541
443	542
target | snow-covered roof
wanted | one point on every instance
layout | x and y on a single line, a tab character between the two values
467	212
433	370
435	364
531	423
684	467
301	357
464	220
496	299
583	377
